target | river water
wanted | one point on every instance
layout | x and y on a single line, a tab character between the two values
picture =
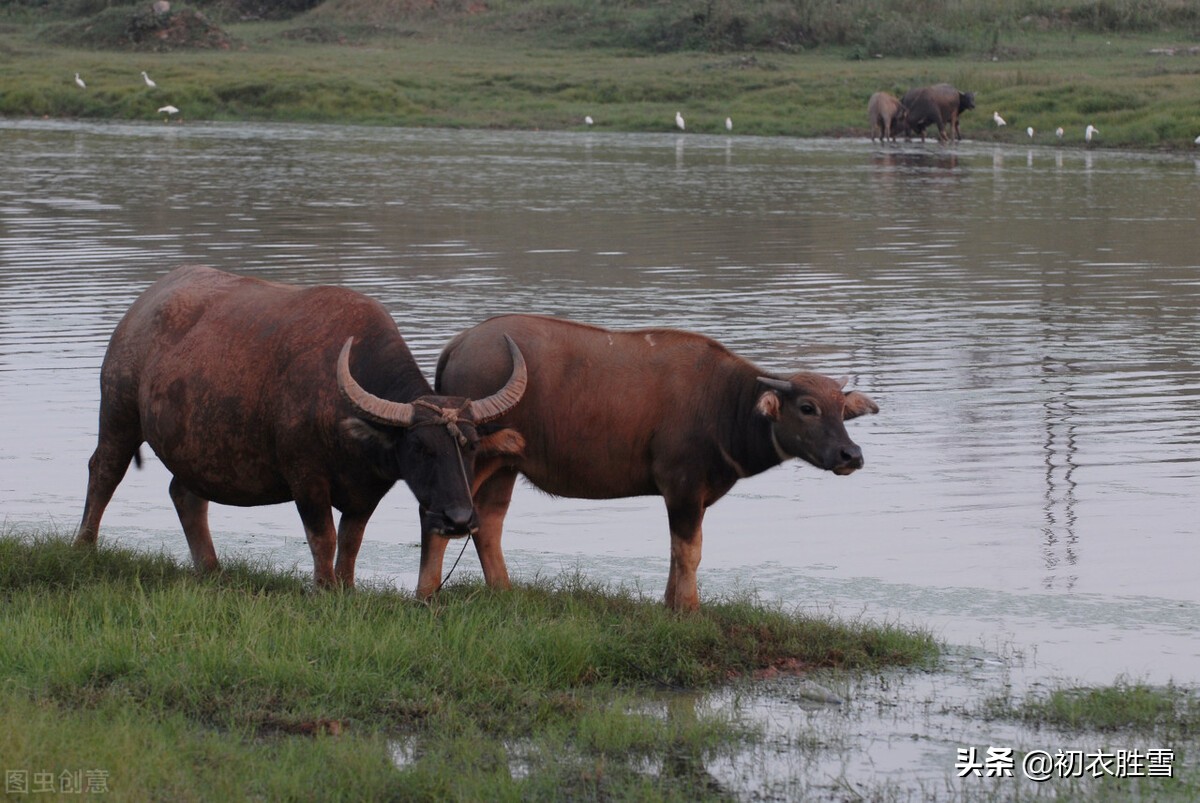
1027	319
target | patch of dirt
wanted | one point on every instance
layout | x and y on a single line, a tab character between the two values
121	28
175	30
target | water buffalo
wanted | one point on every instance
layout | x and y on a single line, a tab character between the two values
940	105
611	414
887	116
249	392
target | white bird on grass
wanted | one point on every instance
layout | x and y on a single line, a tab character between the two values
1196	140
1090	131
679	122
168	110
1029	131
588	119
79	82
1058	132
999	120
149	81
728	123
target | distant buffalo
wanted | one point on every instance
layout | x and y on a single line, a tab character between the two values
940	105
887	116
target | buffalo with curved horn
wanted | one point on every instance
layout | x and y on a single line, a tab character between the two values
610	414
239	387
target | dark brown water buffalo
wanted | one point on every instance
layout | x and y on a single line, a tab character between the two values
940	105
254	393
652	412
887	116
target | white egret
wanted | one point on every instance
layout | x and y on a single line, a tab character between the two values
1029	131
679	121
1196	140
588	119
1058	132
999	120
1090	131
168	110
728	123
149	81
79	82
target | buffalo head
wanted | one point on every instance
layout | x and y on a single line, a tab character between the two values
428	442
807	413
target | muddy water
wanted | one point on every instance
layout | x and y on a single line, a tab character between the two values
1027	319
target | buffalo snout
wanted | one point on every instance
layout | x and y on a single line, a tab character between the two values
849	460
458	520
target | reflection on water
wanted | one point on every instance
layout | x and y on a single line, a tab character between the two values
1028	320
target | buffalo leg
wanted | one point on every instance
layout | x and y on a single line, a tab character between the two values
106	469
433	551
349	539
317	517
491	505
686	540
193	515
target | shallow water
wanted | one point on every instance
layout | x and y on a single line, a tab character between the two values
1027	319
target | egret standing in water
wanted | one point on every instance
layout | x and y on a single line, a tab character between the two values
79	82
149	82
728	123
679	121
169	111
1090	131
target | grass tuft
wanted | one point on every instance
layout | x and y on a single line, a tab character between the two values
1124	705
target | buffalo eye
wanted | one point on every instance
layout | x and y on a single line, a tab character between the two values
808	408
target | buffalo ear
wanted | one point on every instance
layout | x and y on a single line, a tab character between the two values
858	404
506	442
361	431
768	405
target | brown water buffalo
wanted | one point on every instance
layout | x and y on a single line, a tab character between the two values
611	414
940	105
886	115
254	393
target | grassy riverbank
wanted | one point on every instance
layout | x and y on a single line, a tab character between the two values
251	686
1139	83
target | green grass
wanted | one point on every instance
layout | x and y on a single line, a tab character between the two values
1123	717
1125	706
250	685
490	70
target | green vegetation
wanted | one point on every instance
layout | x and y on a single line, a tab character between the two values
249	685
1167	711
1124	717
1129	67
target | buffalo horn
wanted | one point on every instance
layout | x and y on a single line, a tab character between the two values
373	408
781	385
503	400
